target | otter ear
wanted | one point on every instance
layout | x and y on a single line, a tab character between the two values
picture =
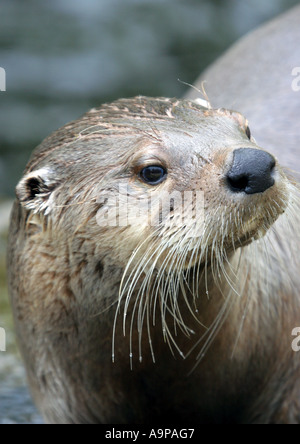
35	190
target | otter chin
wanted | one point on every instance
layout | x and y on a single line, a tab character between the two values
151	275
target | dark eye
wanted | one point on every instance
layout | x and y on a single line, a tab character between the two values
248	133
153	175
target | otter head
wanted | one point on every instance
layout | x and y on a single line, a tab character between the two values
155	187
173	172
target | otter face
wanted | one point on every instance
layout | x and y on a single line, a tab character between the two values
197	183
210	184
173	179
161	189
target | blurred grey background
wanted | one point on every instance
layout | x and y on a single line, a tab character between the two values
63	57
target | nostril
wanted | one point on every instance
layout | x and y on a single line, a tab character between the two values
238	183
252	171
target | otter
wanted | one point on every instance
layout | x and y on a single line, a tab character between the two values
173	316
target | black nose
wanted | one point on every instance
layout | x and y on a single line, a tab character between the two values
251	172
